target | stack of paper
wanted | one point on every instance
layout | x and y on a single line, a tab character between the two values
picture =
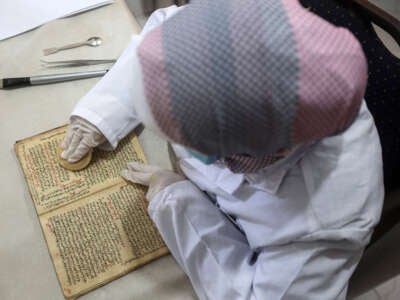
18	16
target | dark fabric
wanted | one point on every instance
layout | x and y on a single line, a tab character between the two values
383	90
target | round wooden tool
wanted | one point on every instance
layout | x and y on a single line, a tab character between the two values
77	166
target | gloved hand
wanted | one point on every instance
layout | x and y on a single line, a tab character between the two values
154	177
81	137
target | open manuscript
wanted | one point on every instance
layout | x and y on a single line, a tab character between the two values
95	224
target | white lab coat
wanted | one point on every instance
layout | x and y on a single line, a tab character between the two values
300	225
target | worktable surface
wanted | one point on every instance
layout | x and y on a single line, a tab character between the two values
26	268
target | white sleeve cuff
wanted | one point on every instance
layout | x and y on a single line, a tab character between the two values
110	104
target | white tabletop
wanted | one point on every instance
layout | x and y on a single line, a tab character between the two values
26	270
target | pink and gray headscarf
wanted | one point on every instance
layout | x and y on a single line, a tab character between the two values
244	79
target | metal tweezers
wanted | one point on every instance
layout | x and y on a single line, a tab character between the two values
75	63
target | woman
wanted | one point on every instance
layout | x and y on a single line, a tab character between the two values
281	158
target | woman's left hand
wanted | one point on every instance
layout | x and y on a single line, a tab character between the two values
154	177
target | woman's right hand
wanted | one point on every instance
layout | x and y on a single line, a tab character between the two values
81	137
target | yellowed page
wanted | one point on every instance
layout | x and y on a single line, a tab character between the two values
95	224
101	237
52	186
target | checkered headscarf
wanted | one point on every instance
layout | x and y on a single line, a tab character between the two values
232	77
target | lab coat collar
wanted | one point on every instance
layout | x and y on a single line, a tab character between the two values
270	178
215	176
218	177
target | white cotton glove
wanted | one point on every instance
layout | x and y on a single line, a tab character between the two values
154	177
81	137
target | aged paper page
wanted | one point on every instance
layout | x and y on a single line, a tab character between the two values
95	224
101	237
51	186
